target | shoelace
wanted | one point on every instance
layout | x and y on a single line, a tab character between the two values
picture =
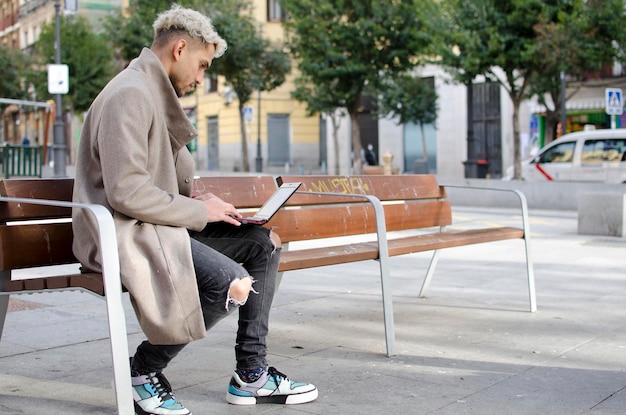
162	386
273	372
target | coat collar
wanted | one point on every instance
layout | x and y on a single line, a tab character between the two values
178	124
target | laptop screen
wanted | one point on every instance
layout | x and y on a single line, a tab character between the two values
279	198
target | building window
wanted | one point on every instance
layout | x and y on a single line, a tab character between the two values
275	12
210	84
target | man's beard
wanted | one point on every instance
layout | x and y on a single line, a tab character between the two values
179	91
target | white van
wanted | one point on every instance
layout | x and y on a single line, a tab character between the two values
584	156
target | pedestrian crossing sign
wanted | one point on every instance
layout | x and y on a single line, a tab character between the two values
614	104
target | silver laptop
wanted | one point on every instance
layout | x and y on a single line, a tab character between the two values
272	205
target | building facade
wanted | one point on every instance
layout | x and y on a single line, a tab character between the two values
279	134
472	136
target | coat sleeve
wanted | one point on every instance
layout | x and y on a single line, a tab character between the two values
138	163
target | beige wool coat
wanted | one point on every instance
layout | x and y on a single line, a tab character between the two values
133	160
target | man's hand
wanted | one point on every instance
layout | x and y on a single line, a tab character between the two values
218	210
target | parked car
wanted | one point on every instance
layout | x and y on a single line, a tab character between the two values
584	156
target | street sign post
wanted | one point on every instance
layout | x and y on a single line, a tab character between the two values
614	104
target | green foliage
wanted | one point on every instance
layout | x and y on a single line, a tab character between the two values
88	55
533	42
525	44
251	62
579	41
411	99
483	34
14	66
132	32
354	44
347	48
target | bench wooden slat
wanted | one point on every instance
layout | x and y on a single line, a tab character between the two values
32	245
88	281
40	283
318	257
354	252
440	240
357	218
51	189
410	187
243	192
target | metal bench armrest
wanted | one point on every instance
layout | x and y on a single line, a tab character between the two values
113	294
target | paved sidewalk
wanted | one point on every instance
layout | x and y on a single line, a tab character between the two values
470	347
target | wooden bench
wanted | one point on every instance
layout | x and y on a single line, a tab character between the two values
337	206
326	206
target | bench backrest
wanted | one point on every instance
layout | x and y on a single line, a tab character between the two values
24	244
410	202
242	191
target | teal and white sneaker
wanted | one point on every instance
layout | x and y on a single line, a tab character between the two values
271	387
153	395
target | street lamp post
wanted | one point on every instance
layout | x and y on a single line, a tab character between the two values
58	132
259	157
563	104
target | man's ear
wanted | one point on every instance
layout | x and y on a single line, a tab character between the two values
179	48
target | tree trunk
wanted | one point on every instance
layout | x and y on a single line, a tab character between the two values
357	149
245	165
425	153
517	148
335	119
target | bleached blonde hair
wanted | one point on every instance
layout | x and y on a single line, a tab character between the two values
195	24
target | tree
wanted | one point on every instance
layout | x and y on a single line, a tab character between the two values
319	100
497	39
87	54
412	100
580	41
251	62
131	32
524	45
14	64
346	48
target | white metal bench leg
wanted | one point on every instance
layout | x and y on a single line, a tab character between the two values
385	282
531	278
385	278
429	273
4	299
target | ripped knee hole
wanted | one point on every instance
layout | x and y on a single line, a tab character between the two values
240	291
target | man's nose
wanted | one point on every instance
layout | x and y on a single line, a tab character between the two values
200	78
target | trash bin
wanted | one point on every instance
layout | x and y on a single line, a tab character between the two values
482	168
476	169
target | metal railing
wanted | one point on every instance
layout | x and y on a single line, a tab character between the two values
21	160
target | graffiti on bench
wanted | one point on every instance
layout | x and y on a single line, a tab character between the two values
354	185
